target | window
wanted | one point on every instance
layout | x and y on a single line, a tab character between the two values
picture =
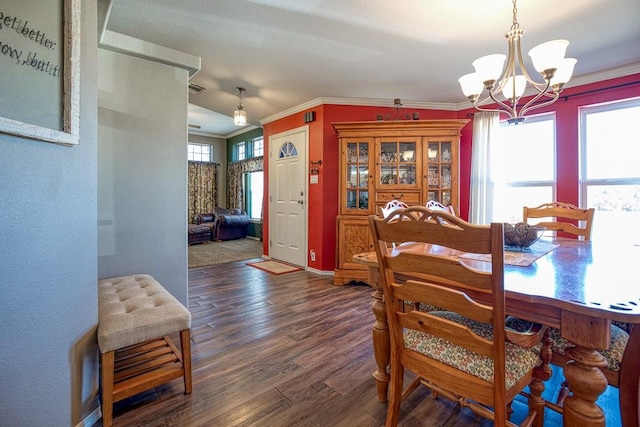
258	149
522	167
199	153
254	187
609	171
240	151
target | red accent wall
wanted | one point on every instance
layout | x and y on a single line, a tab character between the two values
323	145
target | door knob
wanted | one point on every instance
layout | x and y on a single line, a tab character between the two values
301	202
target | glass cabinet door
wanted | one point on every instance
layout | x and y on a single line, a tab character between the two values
440	171
397	163
356	177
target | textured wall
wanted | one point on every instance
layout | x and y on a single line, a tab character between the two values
48	267
142	170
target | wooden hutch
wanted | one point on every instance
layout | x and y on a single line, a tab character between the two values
409	160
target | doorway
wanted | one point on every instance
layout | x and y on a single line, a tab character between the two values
288	196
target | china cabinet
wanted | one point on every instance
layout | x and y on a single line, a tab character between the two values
413	161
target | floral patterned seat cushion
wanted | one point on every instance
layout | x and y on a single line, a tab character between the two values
519	360
613	355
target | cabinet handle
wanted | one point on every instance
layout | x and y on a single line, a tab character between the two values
396	197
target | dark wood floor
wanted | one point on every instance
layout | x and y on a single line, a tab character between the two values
288	350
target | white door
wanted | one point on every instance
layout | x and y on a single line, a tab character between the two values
288	197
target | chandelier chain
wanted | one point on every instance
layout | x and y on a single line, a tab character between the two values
515	24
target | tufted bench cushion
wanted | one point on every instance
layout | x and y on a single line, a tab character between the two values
133	309
135	317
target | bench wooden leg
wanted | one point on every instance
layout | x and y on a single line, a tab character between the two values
107	359
185	345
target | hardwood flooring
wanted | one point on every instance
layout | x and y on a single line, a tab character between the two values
288	350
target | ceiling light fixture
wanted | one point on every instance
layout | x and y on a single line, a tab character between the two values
239	115
548	60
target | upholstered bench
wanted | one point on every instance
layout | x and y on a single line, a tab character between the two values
135	317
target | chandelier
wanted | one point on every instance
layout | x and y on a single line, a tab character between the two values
239	115
548	60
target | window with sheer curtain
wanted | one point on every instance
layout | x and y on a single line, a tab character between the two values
610	169
512	167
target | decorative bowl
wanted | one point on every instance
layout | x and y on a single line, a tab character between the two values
521	235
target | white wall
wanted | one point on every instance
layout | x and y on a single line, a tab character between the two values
142	170
48	266
220	157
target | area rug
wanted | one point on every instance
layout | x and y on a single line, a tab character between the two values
274	267
210	253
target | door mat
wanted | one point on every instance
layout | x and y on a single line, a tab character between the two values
274	267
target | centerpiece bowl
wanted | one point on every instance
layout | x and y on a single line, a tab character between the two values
521	235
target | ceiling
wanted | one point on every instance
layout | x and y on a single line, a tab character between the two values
290	52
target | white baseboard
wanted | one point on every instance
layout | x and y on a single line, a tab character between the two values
91	419
321	272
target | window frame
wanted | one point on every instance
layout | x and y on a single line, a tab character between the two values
494	186
191	145
239	148
254	144
585	183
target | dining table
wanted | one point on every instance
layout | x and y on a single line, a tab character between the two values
576	286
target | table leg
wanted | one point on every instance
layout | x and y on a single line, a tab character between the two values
380	335
541	374
586	382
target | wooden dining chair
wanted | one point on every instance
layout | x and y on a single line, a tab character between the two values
432	204
392	206
562	217
464	352
618	352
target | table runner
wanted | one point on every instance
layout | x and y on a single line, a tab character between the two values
518	258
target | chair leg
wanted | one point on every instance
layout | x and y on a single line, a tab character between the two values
108	360
185	345
395	398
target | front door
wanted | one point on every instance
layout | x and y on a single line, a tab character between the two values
288	197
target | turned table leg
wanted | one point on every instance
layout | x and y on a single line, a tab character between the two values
586	382
380	335
541	374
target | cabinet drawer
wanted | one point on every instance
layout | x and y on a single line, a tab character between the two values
410	198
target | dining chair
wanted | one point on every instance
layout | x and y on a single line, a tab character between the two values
432	204
622	368
618	352
392	206
464	352
565	215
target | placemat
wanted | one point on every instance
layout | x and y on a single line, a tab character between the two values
521	259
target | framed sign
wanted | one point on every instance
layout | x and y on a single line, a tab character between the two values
40	70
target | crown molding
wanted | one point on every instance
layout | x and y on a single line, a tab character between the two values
367	102
580	80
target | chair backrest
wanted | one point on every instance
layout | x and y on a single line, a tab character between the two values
392	206
436	277
563	213
432	204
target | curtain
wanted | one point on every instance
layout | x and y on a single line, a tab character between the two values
485	127
235	173
203	188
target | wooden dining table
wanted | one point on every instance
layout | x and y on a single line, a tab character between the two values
578	287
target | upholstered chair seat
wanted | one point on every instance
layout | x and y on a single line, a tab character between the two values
519	360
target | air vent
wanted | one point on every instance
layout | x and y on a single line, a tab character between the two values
194	88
